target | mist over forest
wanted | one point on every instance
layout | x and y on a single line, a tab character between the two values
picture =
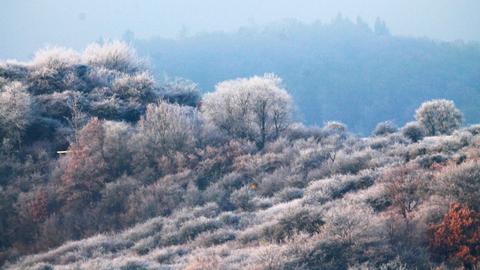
340	70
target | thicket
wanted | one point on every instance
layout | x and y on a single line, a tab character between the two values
91	145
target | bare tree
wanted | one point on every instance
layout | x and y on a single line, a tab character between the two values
77	118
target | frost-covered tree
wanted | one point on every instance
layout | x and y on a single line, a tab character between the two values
15	111
439	116
167	128
256	108
116	55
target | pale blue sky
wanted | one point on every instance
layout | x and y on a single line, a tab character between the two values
26	25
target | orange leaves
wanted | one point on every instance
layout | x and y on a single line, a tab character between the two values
457	237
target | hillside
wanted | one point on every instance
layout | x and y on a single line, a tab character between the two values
327	217
340	70
102	167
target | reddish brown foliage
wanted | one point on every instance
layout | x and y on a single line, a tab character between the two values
457	237
403	185
38	206
84	173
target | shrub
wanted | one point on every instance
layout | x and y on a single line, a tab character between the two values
134	86
230	219
395	264
404	185
272	183
313	158
336	187
346	163
385	128
293	222
181	91
327	255
457	237
298	131
156	199
461	183
113	204
56	58
439	116
474	129
115	151
15	111
242	198
413	131
335	132
349	223
217	237
56	105
204	262
289	193
429	160
39	205
115	56
191	229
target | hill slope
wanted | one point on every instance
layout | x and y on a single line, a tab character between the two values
91	145
326	216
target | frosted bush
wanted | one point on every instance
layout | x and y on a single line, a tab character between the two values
242	198
335	128
181	91
191	229
294	221
217	237
461	183
298	131
385	128
114	55
349	223
272	183
56	58
137	86
413	131
324	190
115	151
289	193
474	129
351	163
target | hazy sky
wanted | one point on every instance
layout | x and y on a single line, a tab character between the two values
26	25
